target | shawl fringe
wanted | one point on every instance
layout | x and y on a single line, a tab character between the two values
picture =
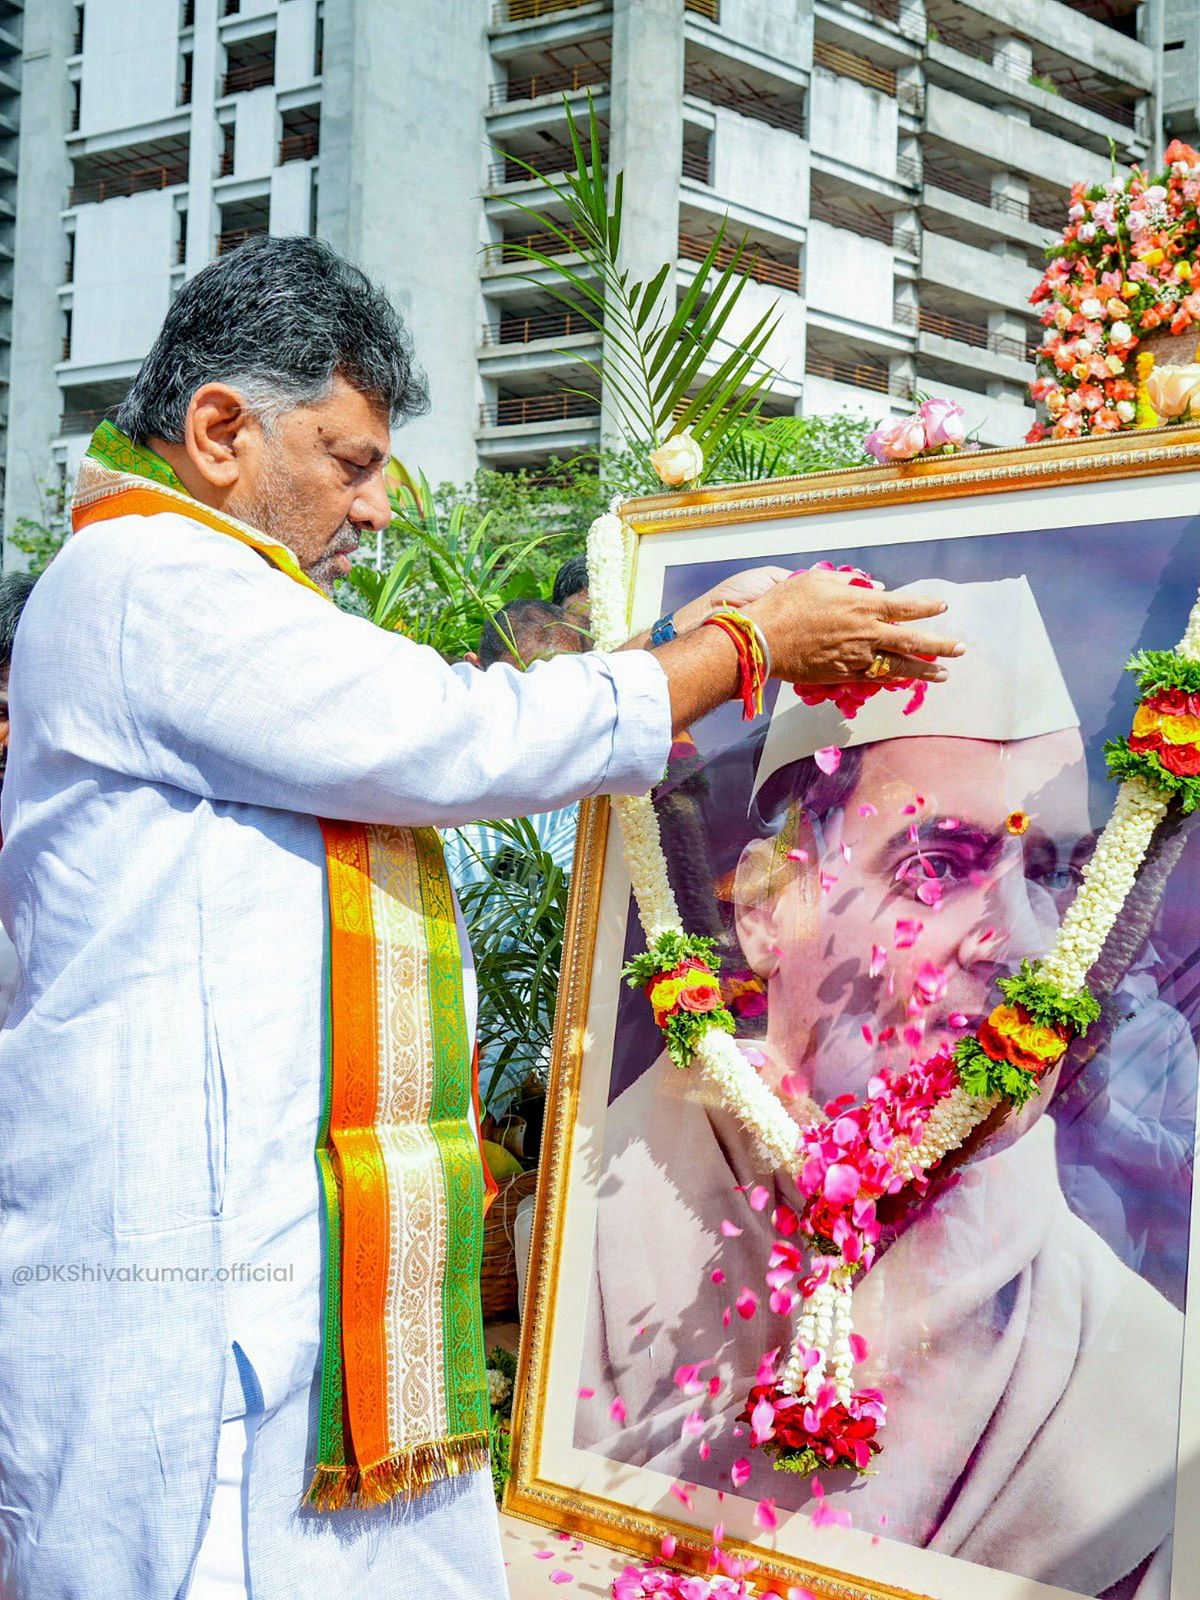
409	1473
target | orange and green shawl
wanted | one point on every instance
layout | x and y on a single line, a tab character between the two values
403	1382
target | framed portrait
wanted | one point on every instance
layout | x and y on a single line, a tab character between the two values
1033	1321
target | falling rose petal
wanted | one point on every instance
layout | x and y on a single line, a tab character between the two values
842	1182
957	1019
714	1388
739	1472
765	1516
727	1316
929	892
867	1034
947	824
587	1394
828	759
824	1516
718	1533
867	809
687	1377
859	1347
762	1421
914	1035
754	1057
988	933
828	879
759	1197
782	1301
791	1085
730	1229
797	855
766	1367
704	1450
818	1489
908	931
683	1493
878	960
543	1555
845	850
886	1034
576	1547
617	1411
717	1275
692	1424
909	811
559	1576
805	1594
917	698
668	1545
747	1304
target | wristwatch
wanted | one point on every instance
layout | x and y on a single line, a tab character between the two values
663	630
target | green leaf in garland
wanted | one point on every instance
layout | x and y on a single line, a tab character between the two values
1047	1004
1164	669
1124	763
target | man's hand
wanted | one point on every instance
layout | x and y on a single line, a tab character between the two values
819	630
738	590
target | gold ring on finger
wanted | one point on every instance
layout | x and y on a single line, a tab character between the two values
881	666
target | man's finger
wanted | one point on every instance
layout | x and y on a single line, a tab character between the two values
908	607
910	667
912	642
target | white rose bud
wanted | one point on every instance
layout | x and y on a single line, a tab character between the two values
1114	363
1091	309
1083	347
680	460
1120	333
1126	410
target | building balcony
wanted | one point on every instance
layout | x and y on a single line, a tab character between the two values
960	331
119	185
867	223
756	261
507	252
710	10
697	166
858	374
79	422
514	169
240	80
716	89
299	147
1069	88
586	75
845	64
535	328
532	10
233	237
520	411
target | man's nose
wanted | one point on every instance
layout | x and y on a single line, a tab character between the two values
1018	920
372	508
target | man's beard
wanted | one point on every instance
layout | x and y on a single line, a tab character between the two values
277	511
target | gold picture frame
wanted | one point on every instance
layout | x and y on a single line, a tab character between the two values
1064	480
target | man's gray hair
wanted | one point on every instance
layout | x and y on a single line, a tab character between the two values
277	320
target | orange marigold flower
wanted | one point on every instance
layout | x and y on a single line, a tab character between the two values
1017	822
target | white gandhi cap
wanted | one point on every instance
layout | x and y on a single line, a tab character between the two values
1008	685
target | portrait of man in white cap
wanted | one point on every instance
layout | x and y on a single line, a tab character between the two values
898	864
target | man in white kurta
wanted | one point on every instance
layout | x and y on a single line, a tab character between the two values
184	713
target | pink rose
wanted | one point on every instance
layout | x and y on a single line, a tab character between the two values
944	423
898	440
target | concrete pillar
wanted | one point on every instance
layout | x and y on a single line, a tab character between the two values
202	153
403	159
1013	56
1152	33
646	141
44	175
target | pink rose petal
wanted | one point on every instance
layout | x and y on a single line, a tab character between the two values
765	1515
759	1198
908	931
739	1472
587	1394
668	1546
730	1229
828	759
717	1275
559	1576
747	1304
617	1411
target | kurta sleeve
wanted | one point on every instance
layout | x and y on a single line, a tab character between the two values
238	684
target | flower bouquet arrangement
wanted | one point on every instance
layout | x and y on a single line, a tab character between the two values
936	428
1121	291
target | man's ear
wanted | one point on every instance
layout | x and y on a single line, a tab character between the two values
472	656
216	434
765	869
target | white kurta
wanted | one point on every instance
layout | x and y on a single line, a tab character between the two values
183	713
